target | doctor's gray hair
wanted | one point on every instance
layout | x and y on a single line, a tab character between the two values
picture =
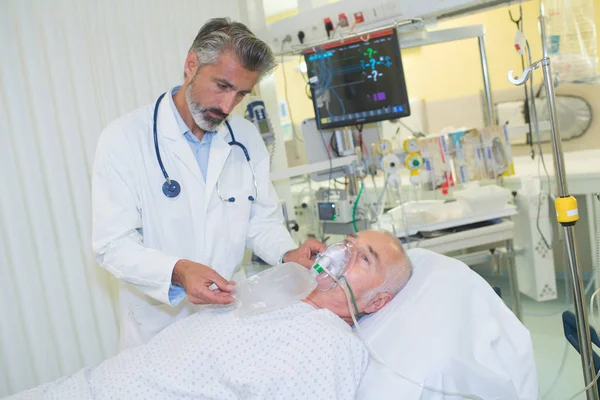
397	275
221	34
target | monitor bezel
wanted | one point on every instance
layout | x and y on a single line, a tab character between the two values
367	119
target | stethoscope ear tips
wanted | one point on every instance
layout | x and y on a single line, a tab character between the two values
251	198
231	199
171	189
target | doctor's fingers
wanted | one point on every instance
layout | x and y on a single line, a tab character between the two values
222	283
313	247
207	296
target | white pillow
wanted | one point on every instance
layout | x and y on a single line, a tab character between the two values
449	330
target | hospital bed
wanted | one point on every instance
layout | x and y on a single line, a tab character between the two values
448	329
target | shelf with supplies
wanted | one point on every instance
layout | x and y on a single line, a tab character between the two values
510	210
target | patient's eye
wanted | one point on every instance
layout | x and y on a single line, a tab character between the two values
366	259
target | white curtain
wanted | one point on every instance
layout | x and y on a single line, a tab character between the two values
68	68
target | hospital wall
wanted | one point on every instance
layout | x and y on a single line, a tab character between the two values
68	68
448	78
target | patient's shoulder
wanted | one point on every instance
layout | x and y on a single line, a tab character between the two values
336	331
333	321
336	344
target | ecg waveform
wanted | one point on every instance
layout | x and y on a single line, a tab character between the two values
370	65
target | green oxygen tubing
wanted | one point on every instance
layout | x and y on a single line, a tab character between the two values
362	185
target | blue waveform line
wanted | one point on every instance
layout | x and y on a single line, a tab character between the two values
340	99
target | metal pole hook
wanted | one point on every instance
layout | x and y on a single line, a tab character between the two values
524	76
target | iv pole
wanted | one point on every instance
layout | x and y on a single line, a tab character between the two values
567	214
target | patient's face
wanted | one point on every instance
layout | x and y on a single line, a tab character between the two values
374	253
367	269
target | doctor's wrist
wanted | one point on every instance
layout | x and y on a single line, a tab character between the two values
286	256
179	271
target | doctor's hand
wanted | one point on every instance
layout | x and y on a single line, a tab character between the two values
196	278
305	254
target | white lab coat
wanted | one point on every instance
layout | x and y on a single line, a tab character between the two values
139	233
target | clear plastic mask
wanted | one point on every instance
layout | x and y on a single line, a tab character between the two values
334	261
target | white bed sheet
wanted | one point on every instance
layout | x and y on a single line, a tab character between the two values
449	330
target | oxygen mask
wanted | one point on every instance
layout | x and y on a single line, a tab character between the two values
334	261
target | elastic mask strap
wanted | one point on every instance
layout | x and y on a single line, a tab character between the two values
356	313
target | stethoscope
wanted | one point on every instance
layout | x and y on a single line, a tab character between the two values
171	188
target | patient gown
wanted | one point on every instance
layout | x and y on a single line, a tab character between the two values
295	353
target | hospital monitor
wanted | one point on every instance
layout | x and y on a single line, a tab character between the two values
359	80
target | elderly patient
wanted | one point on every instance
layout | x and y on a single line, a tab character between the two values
305	351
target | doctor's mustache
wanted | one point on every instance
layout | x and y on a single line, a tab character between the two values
215	111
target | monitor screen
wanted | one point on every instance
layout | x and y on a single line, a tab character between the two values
327	211
358	81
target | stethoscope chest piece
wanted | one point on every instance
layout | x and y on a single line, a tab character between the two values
171	189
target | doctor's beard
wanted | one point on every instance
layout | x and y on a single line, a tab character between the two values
200	114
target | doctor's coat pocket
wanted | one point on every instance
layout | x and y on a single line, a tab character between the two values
238	218
174	217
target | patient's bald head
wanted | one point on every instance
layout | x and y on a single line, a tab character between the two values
379	269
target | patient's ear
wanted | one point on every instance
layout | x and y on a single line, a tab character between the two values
377	302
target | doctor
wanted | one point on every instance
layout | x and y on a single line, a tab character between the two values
180	189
